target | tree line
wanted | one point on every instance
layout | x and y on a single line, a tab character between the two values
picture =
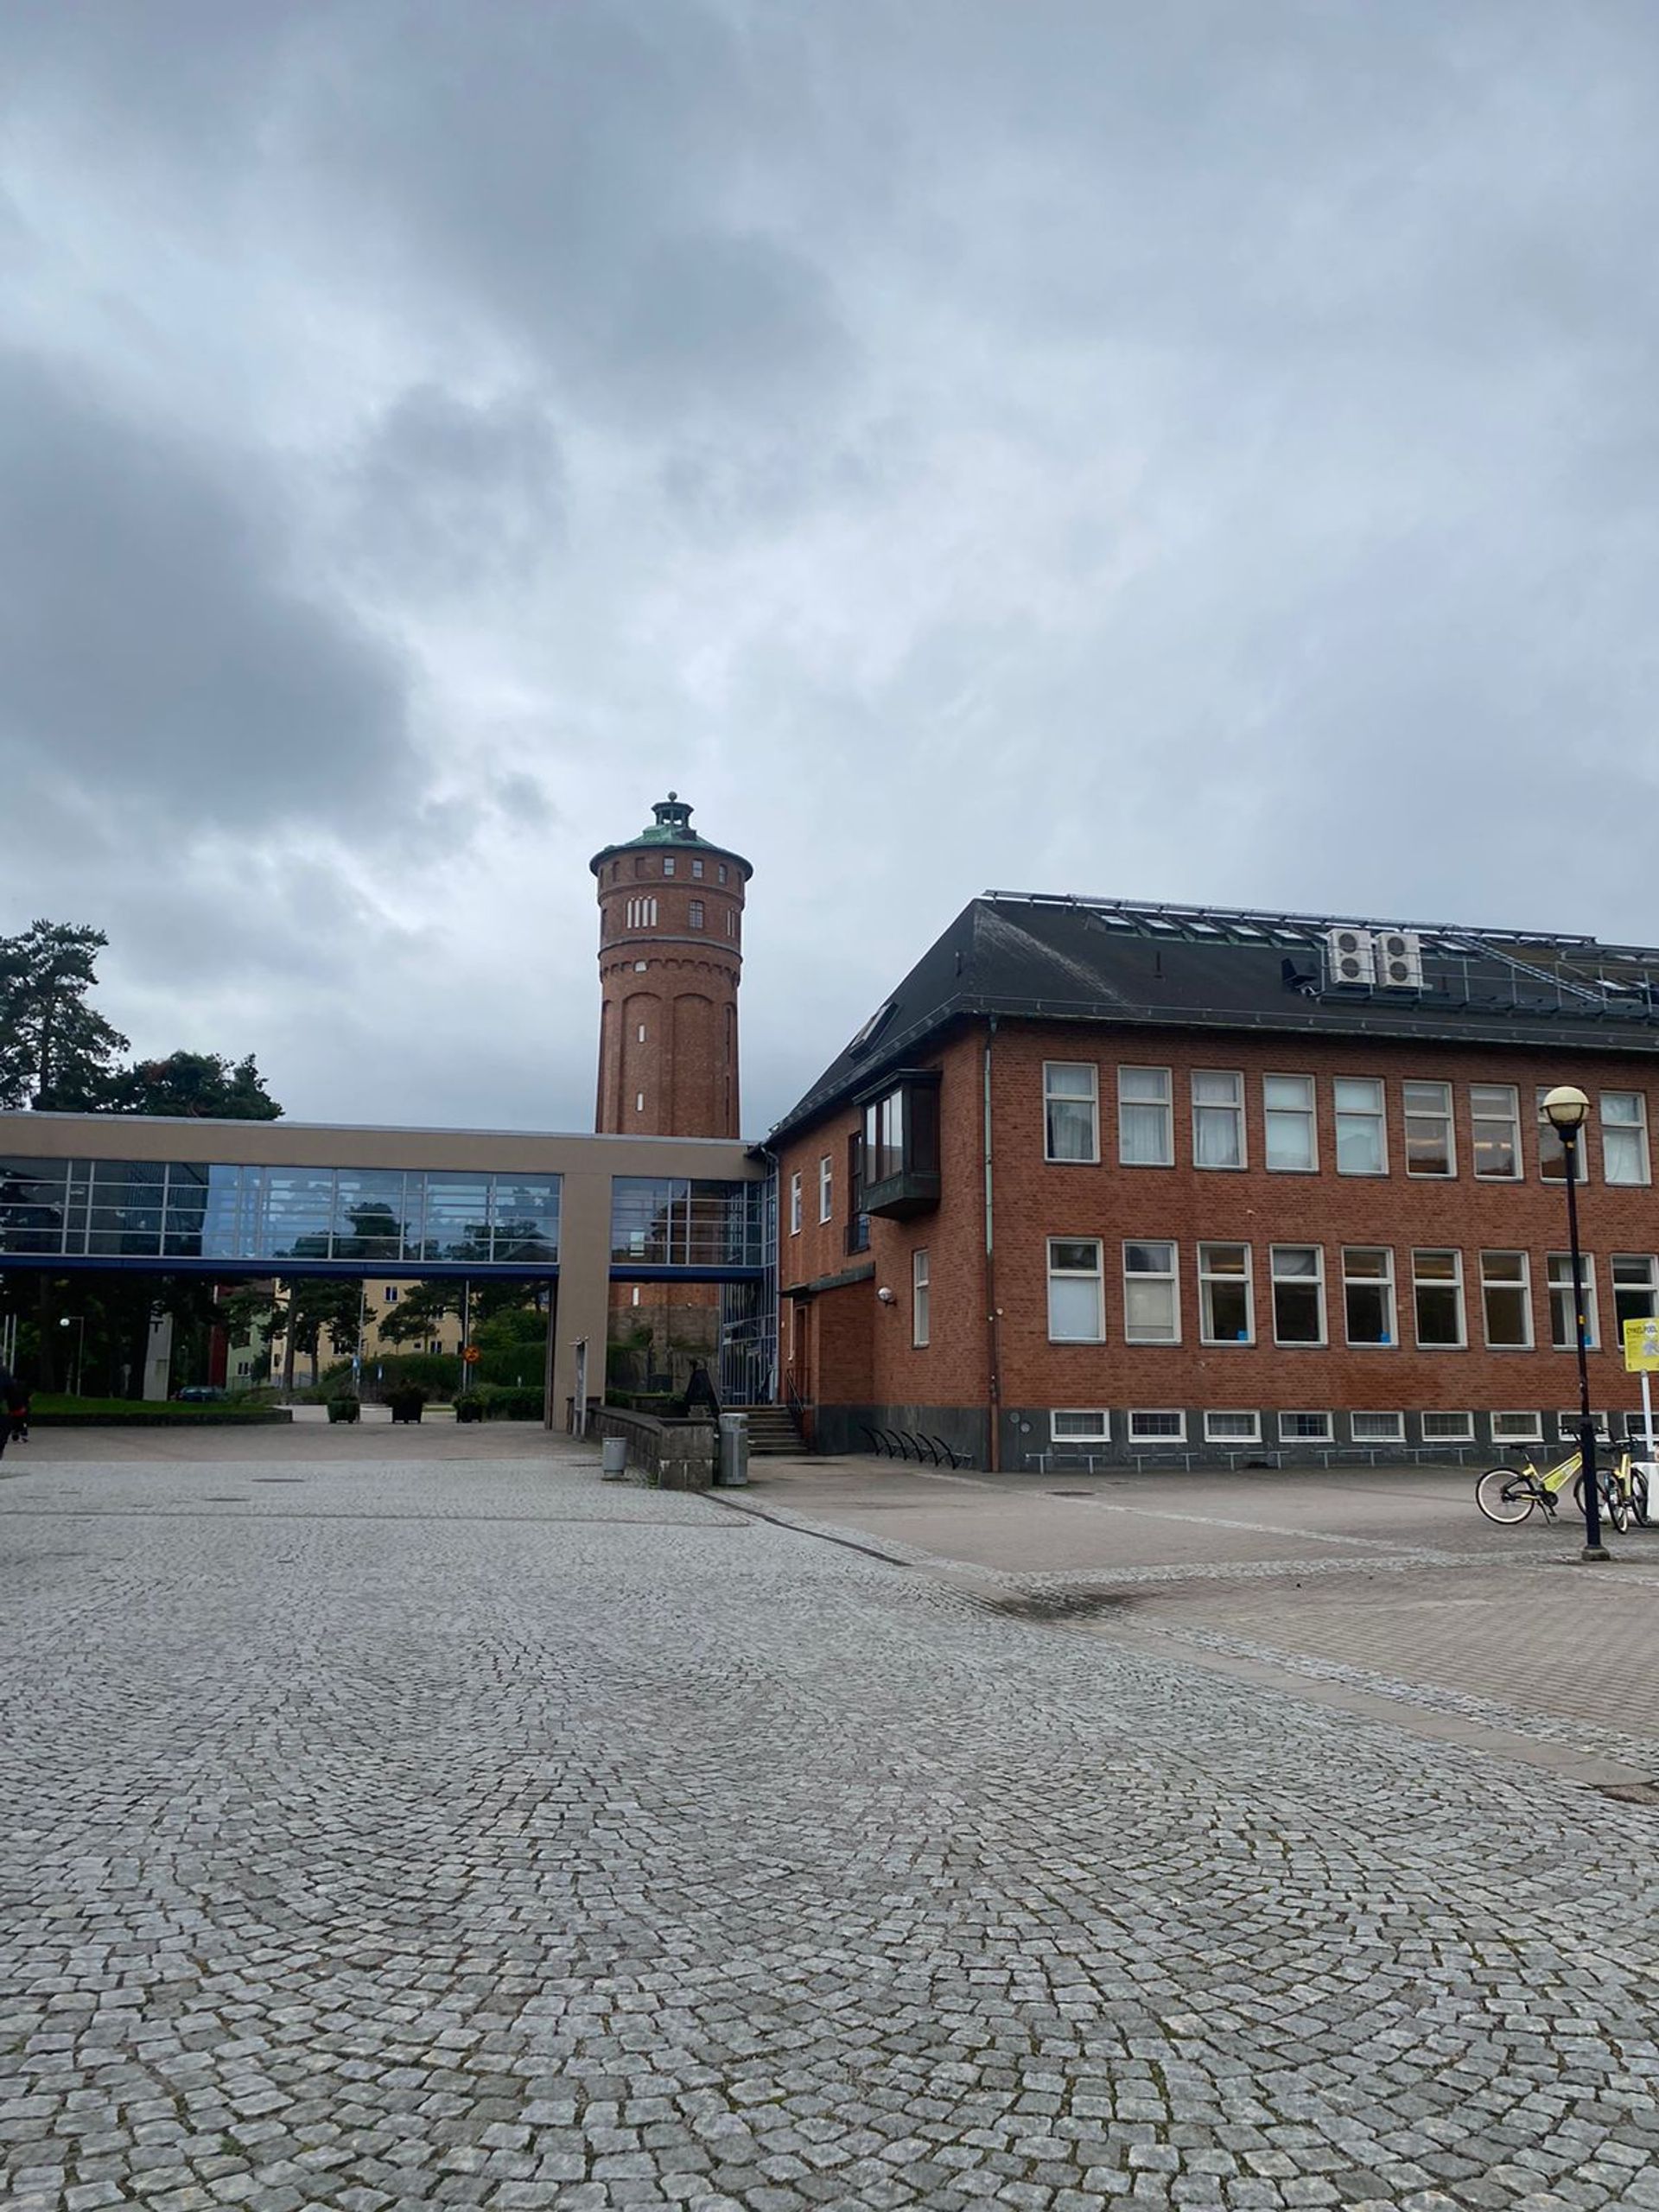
59	1055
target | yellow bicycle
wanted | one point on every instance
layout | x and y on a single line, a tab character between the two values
1509	1495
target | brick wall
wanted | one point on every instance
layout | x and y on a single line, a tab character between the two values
663	972
1036	1199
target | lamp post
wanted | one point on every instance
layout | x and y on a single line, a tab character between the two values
79	1320
1566	1109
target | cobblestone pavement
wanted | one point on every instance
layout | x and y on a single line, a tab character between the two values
420	1831
1391	1584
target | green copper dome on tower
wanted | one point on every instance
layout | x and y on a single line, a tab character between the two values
671	827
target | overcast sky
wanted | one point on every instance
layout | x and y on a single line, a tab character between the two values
1204	449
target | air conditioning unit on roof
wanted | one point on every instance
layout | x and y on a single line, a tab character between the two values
1399	957
1348	956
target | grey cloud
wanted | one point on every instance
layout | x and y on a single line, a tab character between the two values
1182	450
452	496
155	647
575	172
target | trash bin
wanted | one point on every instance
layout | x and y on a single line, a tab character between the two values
613	1458
733	1472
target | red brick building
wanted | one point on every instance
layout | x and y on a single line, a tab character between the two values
670	958
1124	1183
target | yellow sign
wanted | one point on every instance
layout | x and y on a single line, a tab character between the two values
1640	1347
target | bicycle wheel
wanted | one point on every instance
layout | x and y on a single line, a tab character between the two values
1505	1497
1615	1507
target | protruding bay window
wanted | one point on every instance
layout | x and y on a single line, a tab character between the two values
901	1144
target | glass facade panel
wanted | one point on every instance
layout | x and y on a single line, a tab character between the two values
34	1204
526	1222
143	1209
672	1221
185	1223
296	1213
455	1220
123	1218
369	1214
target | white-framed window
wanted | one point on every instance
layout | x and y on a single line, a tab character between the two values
1076	1314
1162	1427
668	864
390	1293
1552	1149
694	914
1362	1138
1080	1425
795	1204
720	871
1431	1148
1377	1429
1567	1426
1517	1429
1303	1429
1448	1428
642	913
696	870
921	1299
1071	1111
1298	1293
1218	1119
1437	1292
1624	1137
1145	1131
1292	1143
1232	1428
1368	1294
1495	1130
1635	1288
1226	1314
1562	1334
1506	1300
826	1187
1152	1307
731	921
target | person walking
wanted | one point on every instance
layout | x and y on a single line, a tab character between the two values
8	1385
15	1396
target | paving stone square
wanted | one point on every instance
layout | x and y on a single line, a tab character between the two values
392	1824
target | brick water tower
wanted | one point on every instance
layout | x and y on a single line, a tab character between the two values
671	954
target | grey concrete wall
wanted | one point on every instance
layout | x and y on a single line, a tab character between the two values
673	1454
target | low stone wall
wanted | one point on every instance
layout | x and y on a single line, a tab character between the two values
665	1454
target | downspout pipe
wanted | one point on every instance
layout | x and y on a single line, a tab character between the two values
993	1316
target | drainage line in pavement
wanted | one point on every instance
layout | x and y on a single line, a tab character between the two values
794	1528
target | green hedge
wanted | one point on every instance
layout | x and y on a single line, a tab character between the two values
438	1373
502	1401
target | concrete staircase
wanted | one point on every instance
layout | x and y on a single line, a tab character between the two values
773	1431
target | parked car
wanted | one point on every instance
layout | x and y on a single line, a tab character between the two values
201	1394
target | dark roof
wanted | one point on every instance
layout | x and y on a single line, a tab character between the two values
672	830
1023	955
